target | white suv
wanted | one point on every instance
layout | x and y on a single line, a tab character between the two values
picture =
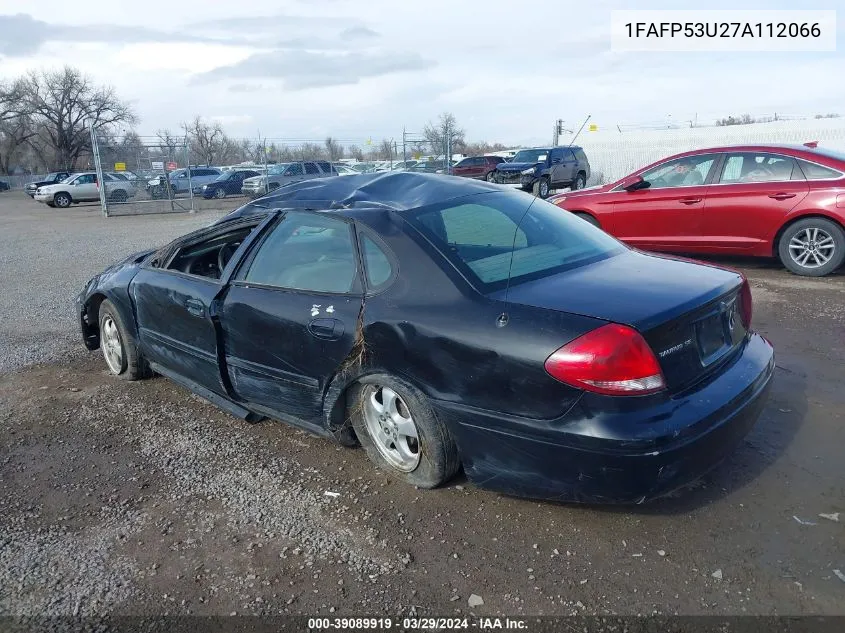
83	187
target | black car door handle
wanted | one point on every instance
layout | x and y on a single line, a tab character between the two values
330	329
195	307
689	200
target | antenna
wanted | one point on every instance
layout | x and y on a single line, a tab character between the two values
579	130
503	318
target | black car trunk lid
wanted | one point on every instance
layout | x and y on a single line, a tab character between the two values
689	314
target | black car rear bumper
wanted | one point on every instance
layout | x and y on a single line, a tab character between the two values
617	454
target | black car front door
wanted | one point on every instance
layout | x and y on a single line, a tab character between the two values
175	304
289	316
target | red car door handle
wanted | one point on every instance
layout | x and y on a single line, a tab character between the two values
782	196
689	200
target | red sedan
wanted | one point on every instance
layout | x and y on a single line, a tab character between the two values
479	167
761	200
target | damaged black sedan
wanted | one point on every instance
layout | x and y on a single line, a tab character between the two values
443	323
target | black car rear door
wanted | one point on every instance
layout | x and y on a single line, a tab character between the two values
289	316
174	297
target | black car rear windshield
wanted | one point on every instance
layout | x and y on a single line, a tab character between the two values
492	235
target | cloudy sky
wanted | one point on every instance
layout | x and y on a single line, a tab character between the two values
355	69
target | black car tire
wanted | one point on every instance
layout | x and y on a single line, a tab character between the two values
119	196
798	232
580	182
438	453
541	188
62	200
219	193
491	176
133	366
588	218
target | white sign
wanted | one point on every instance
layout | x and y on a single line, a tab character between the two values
157	165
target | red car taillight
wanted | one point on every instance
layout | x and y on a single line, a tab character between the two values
746	306
614	360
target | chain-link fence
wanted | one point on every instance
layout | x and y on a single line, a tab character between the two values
204	168
614	153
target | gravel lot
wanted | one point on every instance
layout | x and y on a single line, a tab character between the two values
138	498
47	255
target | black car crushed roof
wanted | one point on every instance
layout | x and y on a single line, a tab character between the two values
399	191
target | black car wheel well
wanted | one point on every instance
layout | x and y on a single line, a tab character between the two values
91	320
809	216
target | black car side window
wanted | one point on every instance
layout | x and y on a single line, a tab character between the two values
306	252
378	265
311	168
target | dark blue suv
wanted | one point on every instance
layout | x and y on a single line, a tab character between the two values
542	169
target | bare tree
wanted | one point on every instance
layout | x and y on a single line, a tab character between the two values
12	102
311	151
15	136
443	133
63	103
385	150
208	141
333	148
356	152
16	126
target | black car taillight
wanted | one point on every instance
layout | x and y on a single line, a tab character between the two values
746	306
614	360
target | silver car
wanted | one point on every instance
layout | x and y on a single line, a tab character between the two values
285	174
83	187
178	181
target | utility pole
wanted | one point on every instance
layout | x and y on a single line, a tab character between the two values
448	148
404	147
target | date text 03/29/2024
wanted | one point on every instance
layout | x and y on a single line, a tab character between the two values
421	623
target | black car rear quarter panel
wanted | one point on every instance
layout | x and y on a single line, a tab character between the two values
619	449
433	329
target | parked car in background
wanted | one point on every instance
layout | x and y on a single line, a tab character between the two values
616	377
50	179
4	186
228	183
285	174
785	201
177	181
430	166
540	170
479	167
127	175
84	187
343	169
404	165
